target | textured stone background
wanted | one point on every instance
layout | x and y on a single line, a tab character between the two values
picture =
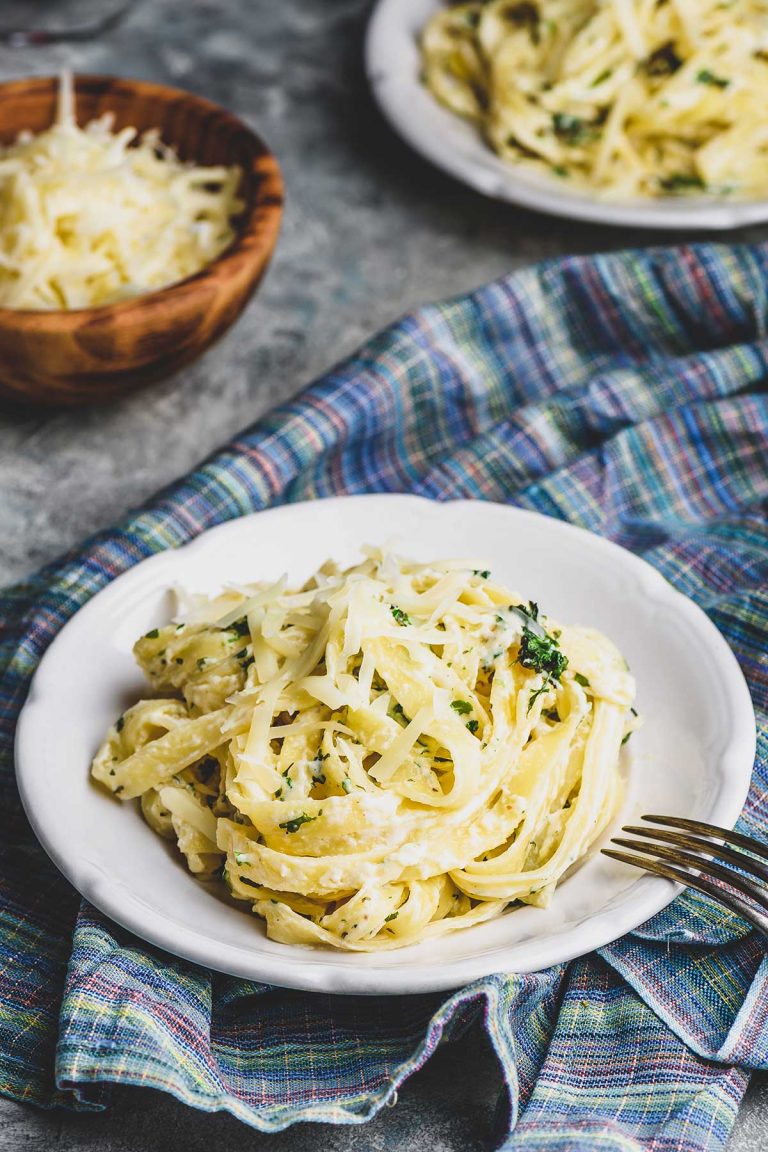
369	231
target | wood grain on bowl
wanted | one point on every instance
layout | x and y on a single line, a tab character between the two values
95	354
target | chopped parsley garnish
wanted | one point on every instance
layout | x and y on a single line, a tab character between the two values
286	777
153	635
240	627
318	778
626	738
527	615
483	573
541	654
119	724
545	687
392	916
663	62
581	680
573	130
241	655
463	707
473	726
178	659
297	821
202	661
561	171
682	182
241	858
707	77
601	79
400	617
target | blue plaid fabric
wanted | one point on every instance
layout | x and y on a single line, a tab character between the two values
623	393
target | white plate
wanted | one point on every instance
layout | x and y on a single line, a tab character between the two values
393	65
693	756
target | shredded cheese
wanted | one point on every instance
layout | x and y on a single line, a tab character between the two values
90	216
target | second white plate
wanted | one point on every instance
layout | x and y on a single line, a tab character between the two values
693	756
393	66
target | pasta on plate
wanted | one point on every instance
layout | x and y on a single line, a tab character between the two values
628	98
390	752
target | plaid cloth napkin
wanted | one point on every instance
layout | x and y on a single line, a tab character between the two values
621	393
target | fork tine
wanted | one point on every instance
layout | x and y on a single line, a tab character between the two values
700	883
719	851
727	835
679	856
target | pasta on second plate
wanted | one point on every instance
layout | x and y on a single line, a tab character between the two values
388	753
624	97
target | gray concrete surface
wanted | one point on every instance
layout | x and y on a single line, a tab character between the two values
369	231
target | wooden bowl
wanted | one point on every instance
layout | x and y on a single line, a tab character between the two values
95	354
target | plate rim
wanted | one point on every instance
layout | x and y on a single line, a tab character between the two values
649	894
501	182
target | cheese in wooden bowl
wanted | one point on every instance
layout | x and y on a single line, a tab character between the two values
135	222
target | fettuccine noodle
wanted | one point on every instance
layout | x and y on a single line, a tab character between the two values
627	97
389	753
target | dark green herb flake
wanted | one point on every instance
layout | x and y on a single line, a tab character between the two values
707	77
663	62
400	617
463	707
296	823
545	687
573	130
682	182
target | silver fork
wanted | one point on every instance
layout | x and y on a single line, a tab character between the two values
688	850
